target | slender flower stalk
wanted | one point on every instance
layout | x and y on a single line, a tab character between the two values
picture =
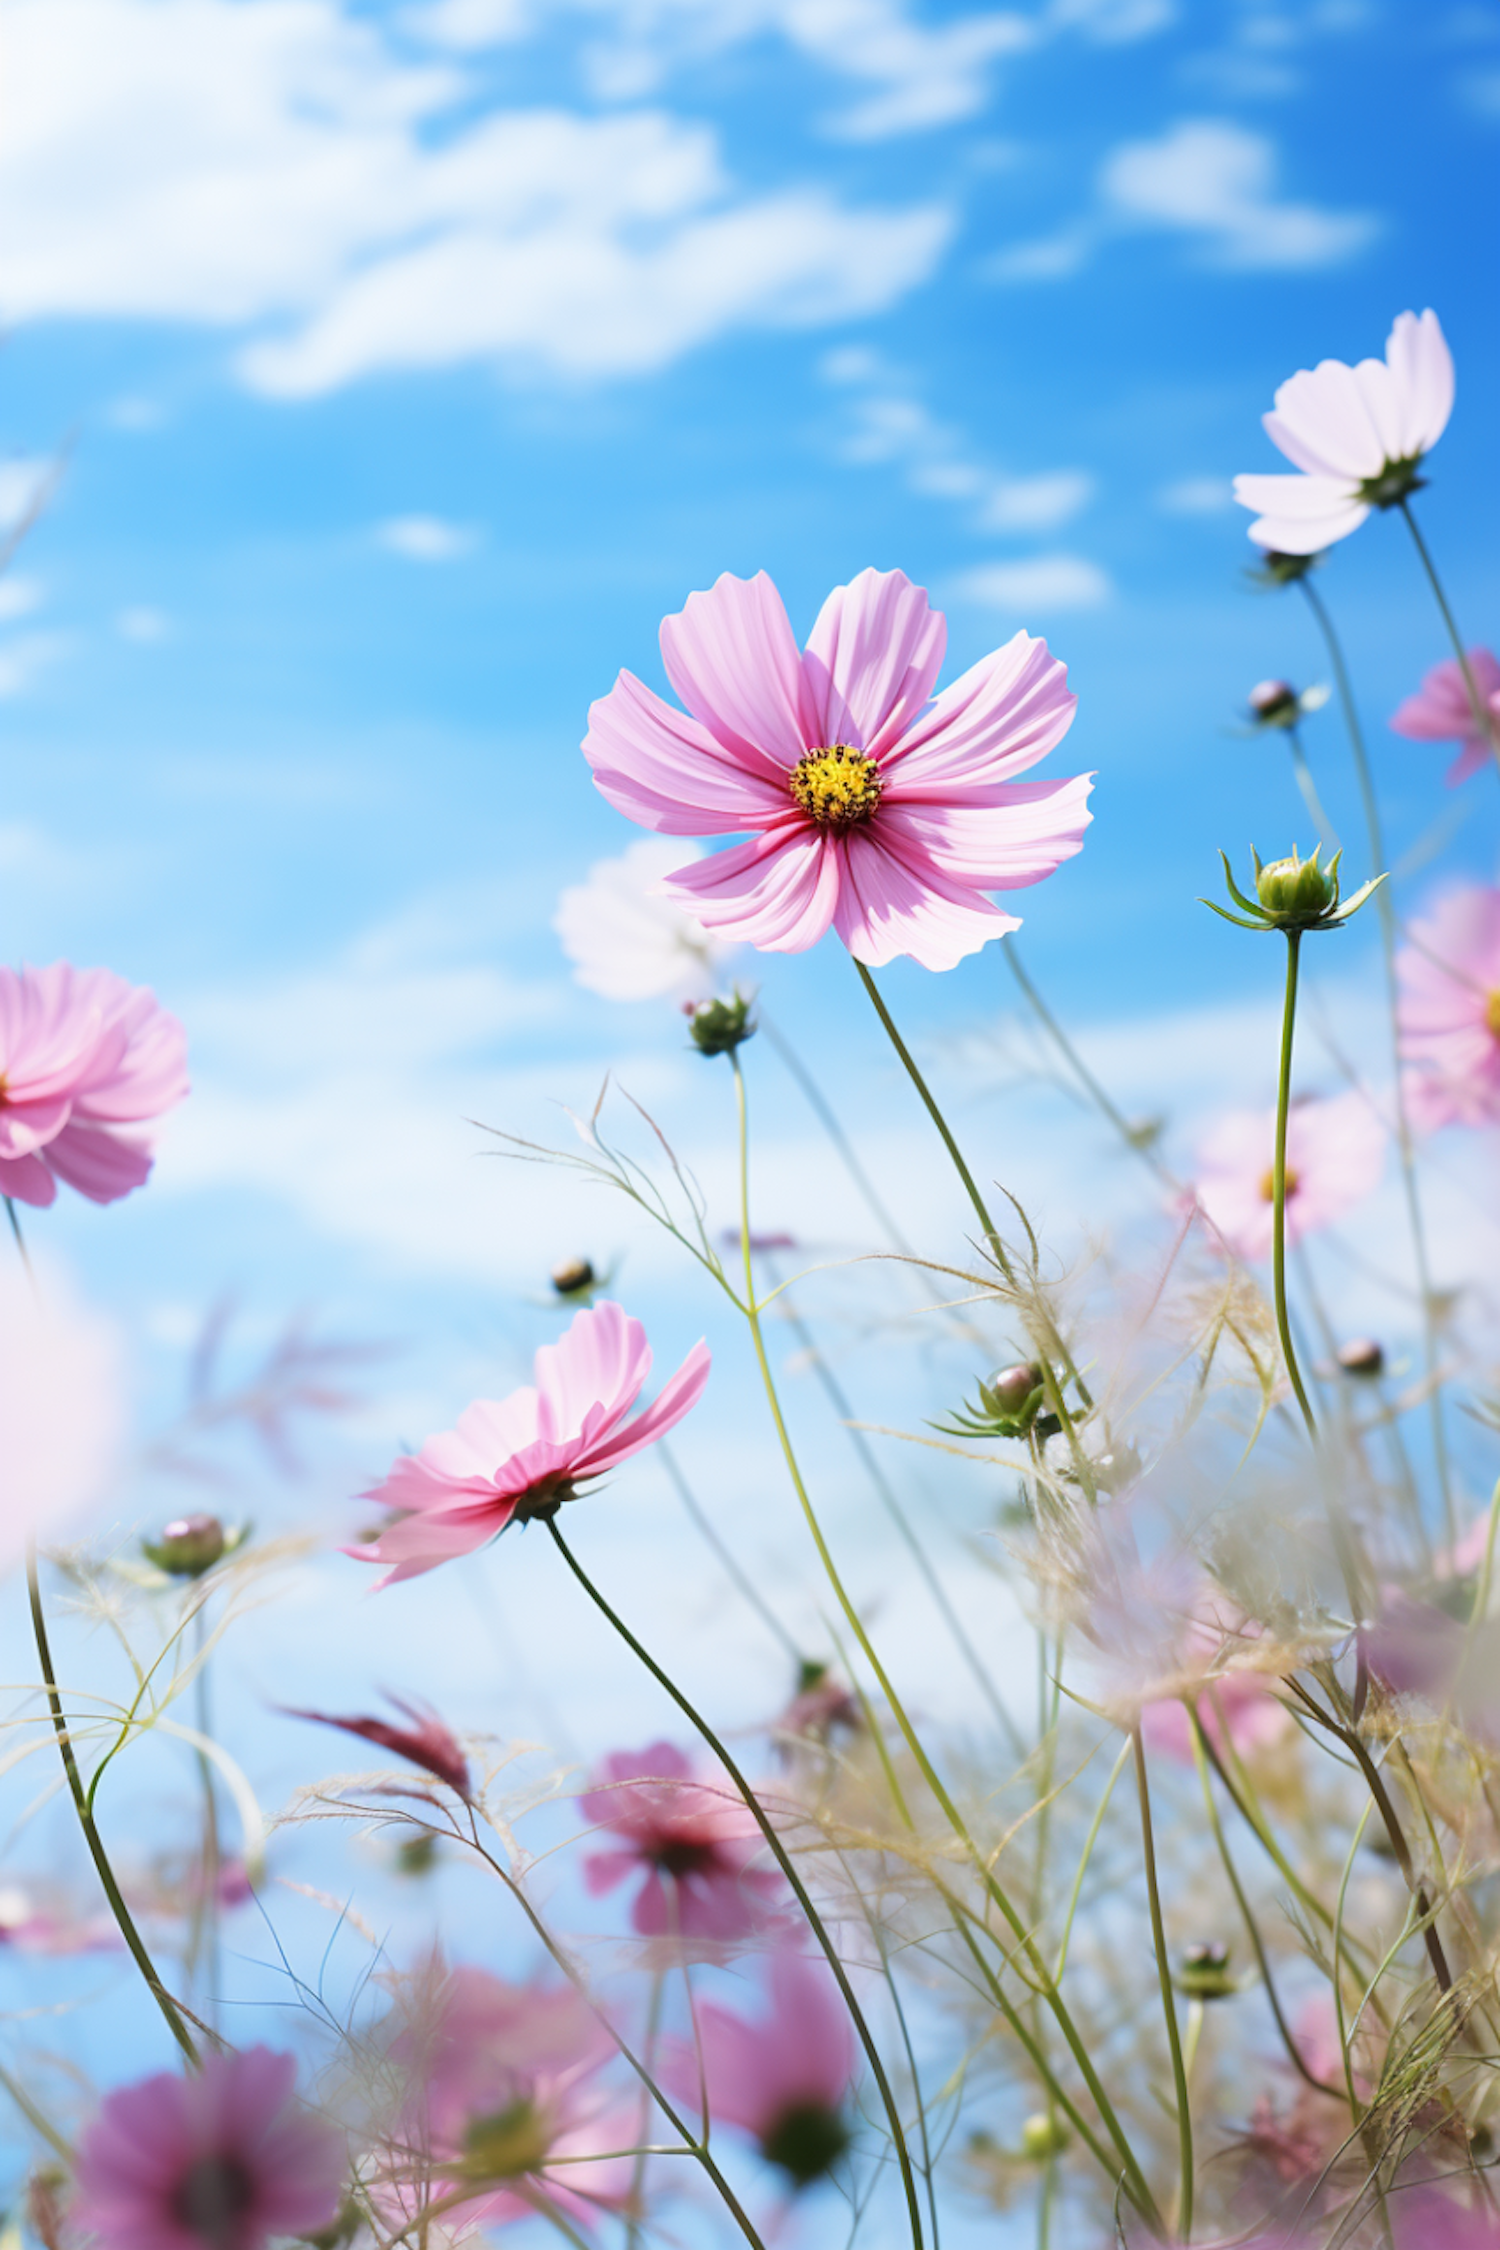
1139	1144
1168	2001
91	1836
782	1858
1483	722
1385	908
733	1569
1328	835
1278	1247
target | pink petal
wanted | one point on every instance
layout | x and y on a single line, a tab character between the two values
1322	424
675	1399
601	1362
731	656
1001	716
418	1543
665	771
896	900
996	847
1475	753
100	1164
777	891
872	660
26	1179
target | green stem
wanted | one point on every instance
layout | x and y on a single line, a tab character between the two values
1096	1092
14	1217
1139	2191
1327	834
1168	2001
206	1915
782	1858
112	1892
823	1110
1283	1109
1482	719
737	1575
1385	909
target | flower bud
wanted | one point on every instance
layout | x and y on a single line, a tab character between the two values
717	1027
1274	702
1011	1389
1362	1356
1277	569
188	1546
416	1855
1295	890
1043	2137
573	1276
1204	1973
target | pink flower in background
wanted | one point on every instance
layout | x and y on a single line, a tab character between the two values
224	2160
524	1455
782	2079
1235	1708
629	941
1356	433
1441	711
692	1839
425	1741
1335	1153
502	2086
1449	1010
85	1061
871	807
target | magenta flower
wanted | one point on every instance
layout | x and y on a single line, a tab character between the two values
1441	711
870	806
1356	433
692	1839
85	1060
426	1741
782	2079
1449	1011
1335	1153
503	2085
1235	1708
520	1458
221	2161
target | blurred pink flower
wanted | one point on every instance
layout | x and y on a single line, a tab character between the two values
426	1741
1440	711
1236	1708
1335	1153
1449	1010
683	1829
782	2079
84	1058
502	2086
629	941
1430	2221
521	1457
871	807
53	1930
1356	433
220	2161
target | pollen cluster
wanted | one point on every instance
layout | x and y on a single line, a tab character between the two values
1491	1023
840	787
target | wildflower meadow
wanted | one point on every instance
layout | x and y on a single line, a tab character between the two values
851	1707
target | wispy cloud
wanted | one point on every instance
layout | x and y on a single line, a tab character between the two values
1196	496
427	539
1034	587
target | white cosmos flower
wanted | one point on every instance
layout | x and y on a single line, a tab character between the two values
1356	433
62	1407
628	943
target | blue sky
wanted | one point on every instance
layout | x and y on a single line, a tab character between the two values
411	362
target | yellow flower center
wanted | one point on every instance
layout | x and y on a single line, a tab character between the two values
1268	1185
1491	1023
838	786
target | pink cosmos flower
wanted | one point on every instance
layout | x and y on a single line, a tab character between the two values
782	2079
502	2087
521	1457
683	1829
220	2161
85	1059
1440	711
1335	1153
1449	1011
870	806
1356	433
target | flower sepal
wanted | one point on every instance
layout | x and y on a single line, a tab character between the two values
1008	1406
1292	894
717	1027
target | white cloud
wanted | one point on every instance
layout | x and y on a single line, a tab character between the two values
23	656
1039	503
1214	179
146	627
1039	584
18	597
886	423
427	539
1196	496
286	167
1114	23
1050	257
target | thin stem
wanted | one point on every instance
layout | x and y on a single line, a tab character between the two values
1283	1107
823	1110
14	1217
782	1858
1327	833
206	1916
112	1892
1140	2193
1096	1092
1482	719
738	1576
1385	909
1168	2001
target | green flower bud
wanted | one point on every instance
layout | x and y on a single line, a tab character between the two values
1362	1356
415	1855
1274	703
806	2142
717	1027
574	1277
190	1545
1295	890
1204	1973
1010	1392
1043	2137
